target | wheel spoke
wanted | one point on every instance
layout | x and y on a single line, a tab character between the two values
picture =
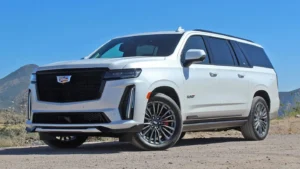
146	127
154	112
260	108
151	135
157	109
264	124
162	107
155	137
147	131
148	110
166	113
255	120
171	128
263	127
260	129
165	135
159	135
166	117
264	115
147	114
256	124
147	119
166	131
169	121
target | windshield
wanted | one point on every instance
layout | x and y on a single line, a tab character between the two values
144	45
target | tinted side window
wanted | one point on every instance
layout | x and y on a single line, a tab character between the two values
256	55
221	52
239	54
195	42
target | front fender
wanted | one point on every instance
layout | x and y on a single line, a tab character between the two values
171	84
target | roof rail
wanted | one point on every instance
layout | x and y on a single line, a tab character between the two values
222	34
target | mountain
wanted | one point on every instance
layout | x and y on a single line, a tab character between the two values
288	100
13	87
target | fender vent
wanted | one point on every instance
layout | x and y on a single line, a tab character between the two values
126	107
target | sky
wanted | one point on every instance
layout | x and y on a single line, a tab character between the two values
41	32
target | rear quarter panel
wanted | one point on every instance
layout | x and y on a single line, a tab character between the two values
264	79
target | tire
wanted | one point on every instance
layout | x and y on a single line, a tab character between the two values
257	126
182	135
167	119
65	142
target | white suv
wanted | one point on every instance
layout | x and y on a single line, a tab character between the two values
149	89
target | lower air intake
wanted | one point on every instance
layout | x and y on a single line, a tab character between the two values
70	118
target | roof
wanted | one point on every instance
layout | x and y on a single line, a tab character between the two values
151	33
203	32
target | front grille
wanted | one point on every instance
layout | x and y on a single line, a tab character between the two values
85	84
70	118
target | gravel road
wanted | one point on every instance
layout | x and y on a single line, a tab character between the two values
276	152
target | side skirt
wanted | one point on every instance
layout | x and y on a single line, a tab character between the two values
212	124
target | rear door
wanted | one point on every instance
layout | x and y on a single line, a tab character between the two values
233	86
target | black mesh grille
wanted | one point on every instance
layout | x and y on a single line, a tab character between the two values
70	118
85	84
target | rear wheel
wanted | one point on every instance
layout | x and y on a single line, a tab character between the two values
257	126
163	124
62	142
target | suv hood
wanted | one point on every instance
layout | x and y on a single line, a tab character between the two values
111	63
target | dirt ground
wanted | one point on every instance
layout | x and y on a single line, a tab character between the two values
224	150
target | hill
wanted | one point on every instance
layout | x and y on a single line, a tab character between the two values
288	100
13	87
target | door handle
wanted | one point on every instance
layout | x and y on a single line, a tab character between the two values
213	74
241	75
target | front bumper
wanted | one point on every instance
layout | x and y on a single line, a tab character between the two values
85	130
108	104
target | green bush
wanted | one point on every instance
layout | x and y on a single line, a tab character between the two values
15	135
12	130
7	117
12	135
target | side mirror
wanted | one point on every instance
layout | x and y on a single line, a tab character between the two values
194	55
86	57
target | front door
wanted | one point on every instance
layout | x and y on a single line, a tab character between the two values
200	85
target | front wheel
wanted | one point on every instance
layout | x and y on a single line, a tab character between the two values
182	135
163	124
64	142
